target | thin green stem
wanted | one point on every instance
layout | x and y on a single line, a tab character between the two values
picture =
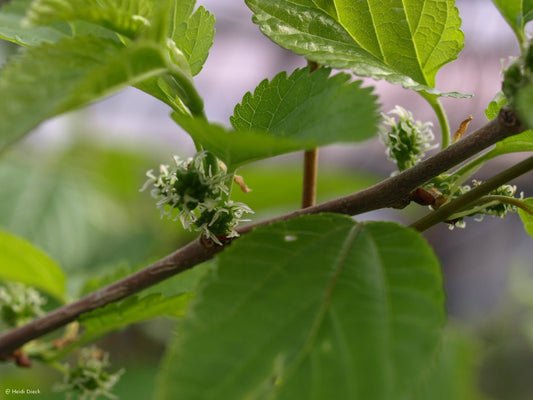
485	200
435	103
471	197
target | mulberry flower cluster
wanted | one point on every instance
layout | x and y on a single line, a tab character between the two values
194	191
19	303
407	139
446	189
88	379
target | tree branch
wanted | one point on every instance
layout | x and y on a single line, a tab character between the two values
392	192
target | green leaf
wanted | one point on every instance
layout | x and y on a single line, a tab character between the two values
116	316
527	10
318	307
310	107
55	78
127	17
299	112
515	144
516	13
403	41
524	104
495	105
23	262
193	33
11	28
454	374
194	36
527	218
238	148
182	283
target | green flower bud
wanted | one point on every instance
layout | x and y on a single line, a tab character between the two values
406	140
88	380
19	303
197	188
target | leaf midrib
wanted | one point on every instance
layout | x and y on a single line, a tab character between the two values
267	278
321	314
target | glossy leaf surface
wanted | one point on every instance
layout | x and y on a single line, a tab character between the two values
403	41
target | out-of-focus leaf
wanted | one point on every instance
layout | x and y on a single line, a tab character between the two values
309	107
403	41
55	78
23	262
527	218
517	13
11	28
527	10
524	104
59	212
185	282
127	17
454	374
318	307
116	316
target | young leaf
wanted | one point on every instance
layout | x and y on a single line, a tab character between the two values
300	111
22	262
318	307
55	78
495	105
194	37
310	107
411	42
127	17
527	218
239	148
515	144
11	28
